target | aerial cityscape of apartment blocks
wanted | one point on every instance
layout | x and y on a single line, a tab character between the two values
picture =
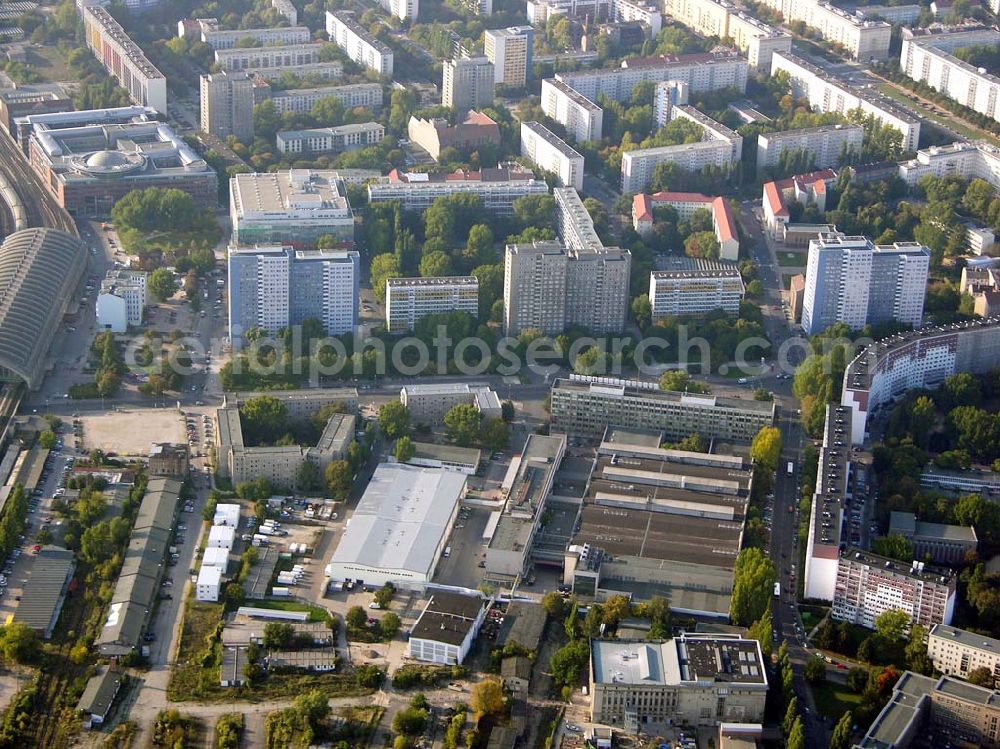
272	287
358	43
467	83
827	93
291	208
863	38
124	59
548	151
721	19
408	300
868	585
510	52
926	56
826	146
498	188
227	103
851	280
695	286
550	287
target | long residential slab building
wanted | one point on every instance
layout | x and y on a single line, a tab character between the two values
980	160
826	145
828	93
695	286
586	406
548	151
917	360
123	59
207	29
416	191
359	44
289	56
367	95
721	19
926	56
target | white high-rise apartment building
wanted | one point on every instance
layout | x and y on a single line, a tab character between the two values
926	56
863	38
408	300
869	585
404	10
582	118
510	51
827	93
850	280
273	287
468	83
358	43
227	105
550	152
825	144
550	288
722	19
124	59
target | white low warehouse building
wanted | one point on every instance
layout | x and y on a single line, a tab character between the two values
209	583
222	536
227	514
400	527
446	629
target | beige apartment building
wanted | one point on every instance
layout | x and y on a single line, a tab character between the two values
958	652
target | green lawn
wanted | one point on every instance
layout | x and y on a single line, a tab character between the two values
316	613
791	259
953	122
833	700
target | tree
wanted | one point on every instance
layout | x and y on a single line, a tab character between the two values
766	448
536	210
394	419
569	661
313	706
309	478
815	671
791	713
488	697
339	479
864	652
495	434
842	732
383	267
461	424
642	311
891	625
410	721
47	439
678	380
278	635
383	596
981	676
614	610
356	618
893	546
762	631
263	419
18	642
857	679
797	736
435	263
554	605
702	244
404	449
507	411
479	246
753	586
162	284
389	625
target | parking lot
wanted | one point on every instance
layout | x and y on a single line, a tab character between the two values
462	566
130	432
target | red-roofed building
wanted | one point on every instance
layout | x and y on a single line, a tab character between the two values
686	203
804	188
435	135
